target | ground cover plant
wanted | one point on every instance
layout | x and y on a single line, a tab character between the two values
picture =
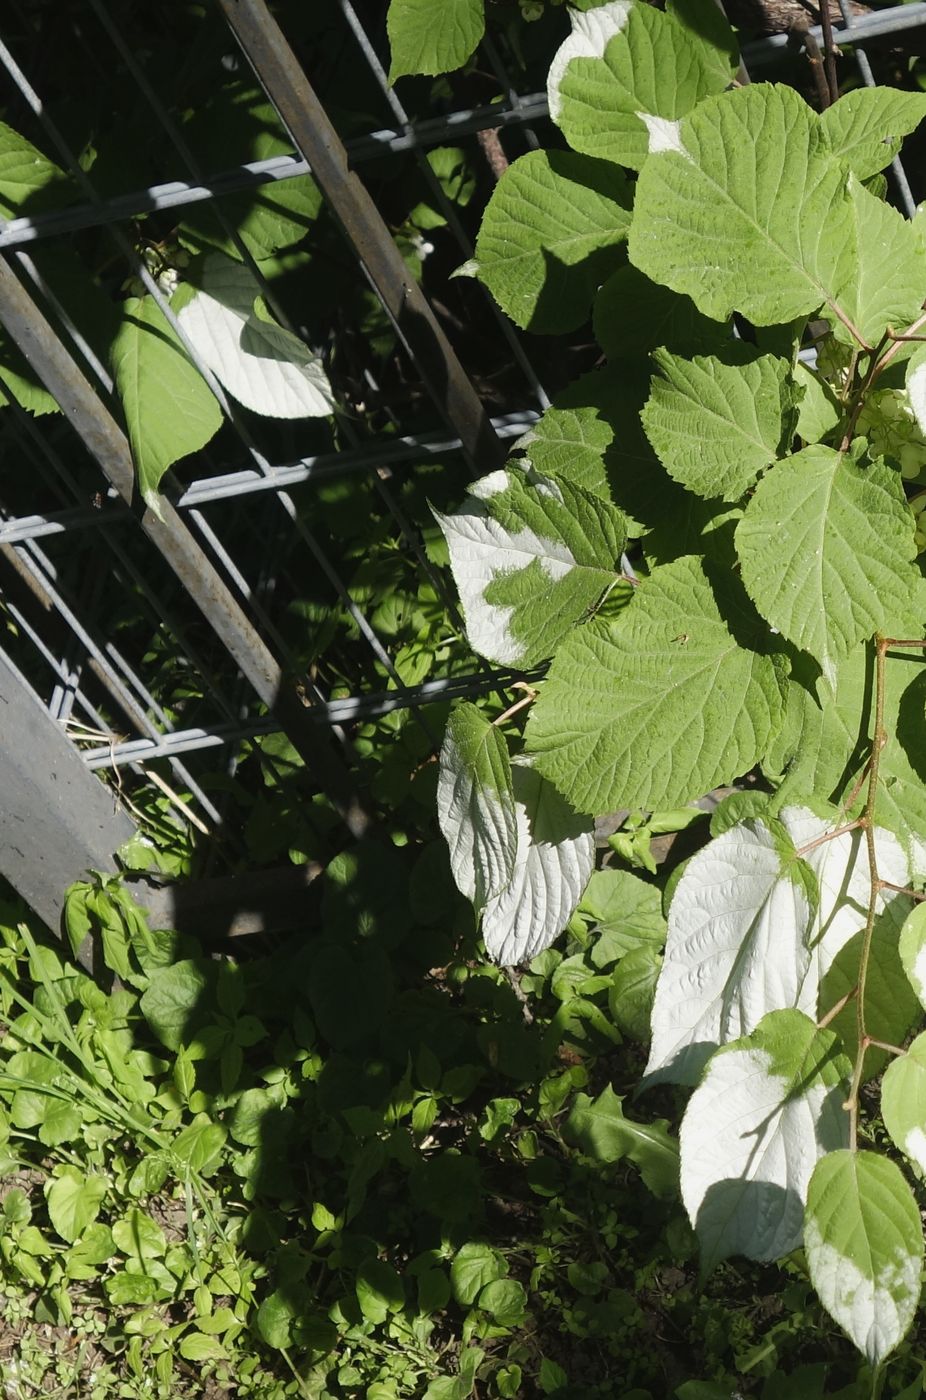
367	1160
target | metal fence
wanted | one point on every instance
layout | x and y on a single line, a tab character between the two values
102	598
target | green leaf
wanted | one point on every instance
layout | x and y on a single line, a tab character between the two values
549	237
847	536
630	997
634	316
169	409
787	238
903	1101
531	556
74	1201
827	745
819	409
139	1236
554	857
912	950
474	1265
61	1122
866	126
379	1290
891	1007
197	1346
619	103
28	177
200	1145
505	1300
239	119
570	440
864	1244
668	679
769	1106
627	912
886	287
475	804
715	426
431	39
173	1002
599	1129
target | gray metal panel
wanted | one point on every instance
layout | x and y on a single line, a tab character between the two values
57	821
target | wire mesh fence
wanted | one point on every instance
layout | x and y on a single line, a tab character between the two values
271	596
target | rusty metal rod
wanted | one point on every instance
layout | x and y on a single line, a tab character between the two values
316	140
106	441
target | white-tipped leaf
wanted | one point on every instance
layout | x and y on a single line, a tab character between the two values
592	31
736	949
913	950
266	368
475	805
864	1244
767	1109
531	556
555	857
903	1101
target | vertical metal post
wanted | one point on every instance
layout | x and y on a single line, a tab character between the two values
316	140
104	438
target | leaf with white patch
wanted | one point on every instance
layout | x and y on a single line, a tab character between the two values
864	1244
769	1106
916	385
531	556
913	950
620	96
592	30
549	237
714	425
866	126
903	1102
674	678
826	546
266	368
555	857
758	181
152	370
840	866
736	949
475	804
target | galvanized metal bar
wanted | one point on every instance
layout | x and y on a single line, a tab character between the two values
174	194
108	444
288	88
445	205
878	25
207	490
57	822
349	710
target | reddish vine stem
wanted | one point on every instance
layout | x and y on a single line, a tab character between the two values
829	836
867	820
901	889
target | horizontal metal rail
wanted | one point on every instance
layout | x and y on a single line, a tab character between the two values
175	194
349	710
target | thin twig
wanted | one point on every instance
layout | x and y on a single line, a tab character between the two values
829	836
529	699
901	889
835	1010
830	51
